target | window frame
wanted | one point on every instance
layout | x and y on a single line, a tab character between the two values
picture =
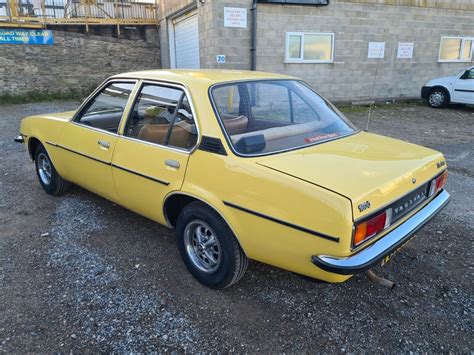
459	60
173	85
258	156
301	59
79	112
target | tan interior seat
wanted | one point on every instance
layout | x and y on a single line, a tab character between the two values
235	125
156	133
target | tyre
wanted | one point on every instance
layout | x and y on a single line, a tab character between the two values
208	247
438	98
48	177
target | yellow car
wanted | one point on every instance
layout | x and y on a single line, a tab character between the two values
244	165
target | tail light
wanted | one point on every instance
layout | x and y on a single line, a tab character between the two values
370	228
438	183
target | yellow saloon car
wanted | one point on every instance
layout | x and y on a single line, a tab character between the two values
244	165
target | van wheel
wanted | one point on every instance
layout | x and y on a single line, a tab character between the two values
208	247
438	98
48	177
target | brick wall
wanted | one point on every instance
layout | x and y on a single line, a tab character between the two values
354	23
75	62
216	39
351	76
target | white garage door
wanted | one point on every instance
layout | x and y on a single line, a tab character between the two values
186	43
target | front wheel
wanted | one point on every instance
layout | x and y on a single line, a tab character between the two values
438	98
48	177
209	248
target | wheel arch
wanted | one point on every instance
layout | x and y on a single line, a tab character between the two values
33	144
176	201
444	88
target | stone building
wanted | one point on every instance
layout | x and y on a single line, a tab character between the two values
347	49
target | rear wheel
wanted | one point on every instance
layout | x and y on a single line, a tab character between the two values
438	98
208	247
48	177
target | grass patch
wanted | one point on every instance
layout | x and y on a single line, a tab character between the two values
354	108
38	96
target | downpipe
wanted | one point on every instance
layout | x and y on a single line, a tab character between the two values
253	39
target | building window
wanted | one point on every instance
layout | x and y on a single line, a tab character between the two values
456	49
307	47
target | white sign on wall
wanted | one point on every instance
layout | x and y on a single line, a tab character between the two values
405	50
376	50
235	17
220	58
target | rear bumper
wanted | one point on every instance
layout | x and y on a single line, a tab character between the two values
425	90
373	254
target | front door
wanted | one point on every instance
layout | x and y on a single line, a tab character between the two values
87	143
463	91
151	155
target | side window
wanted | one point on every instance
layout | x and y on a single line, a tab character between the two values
106	109
162	115
470	75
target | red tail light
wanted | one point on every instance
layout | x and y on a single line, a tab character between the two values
438	183
368	229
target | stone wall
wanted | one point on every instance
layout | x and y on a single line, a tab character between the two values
76	61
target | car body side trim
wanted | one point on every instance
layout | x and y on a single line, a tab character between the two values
284	223
166	183
463	90
78	153
388	244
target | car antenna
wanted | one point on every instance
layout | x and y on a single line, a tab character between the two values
371	102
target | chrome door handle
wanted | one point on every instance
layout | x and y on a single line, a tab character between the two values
104	144
172	163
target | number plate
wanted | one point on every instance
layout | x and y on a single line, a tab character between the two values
389	257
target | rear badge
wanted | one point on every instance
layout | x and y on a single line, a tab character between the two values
363	206
440	164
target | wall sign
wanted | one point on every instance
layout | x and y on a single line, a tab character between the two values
26	36
220	58
405	50
235	17
376	50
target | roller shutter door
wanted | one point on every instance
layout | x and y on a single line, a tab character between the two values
186	37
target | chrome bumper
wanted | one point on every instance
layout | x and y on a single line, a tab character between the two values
373	254
19	139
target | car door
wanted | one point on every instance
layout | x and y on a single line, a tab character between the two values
151	154
88	141
463	90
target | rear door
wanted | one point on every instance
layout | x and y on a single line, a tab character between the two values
151	155
463	91
88	141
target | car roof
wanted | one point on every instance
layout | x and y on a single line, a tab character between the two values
190	77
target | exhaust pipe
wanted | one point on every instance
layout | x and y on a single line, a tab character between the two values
379	280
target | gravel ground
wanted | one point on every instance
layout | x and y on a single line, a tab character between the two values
105	279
